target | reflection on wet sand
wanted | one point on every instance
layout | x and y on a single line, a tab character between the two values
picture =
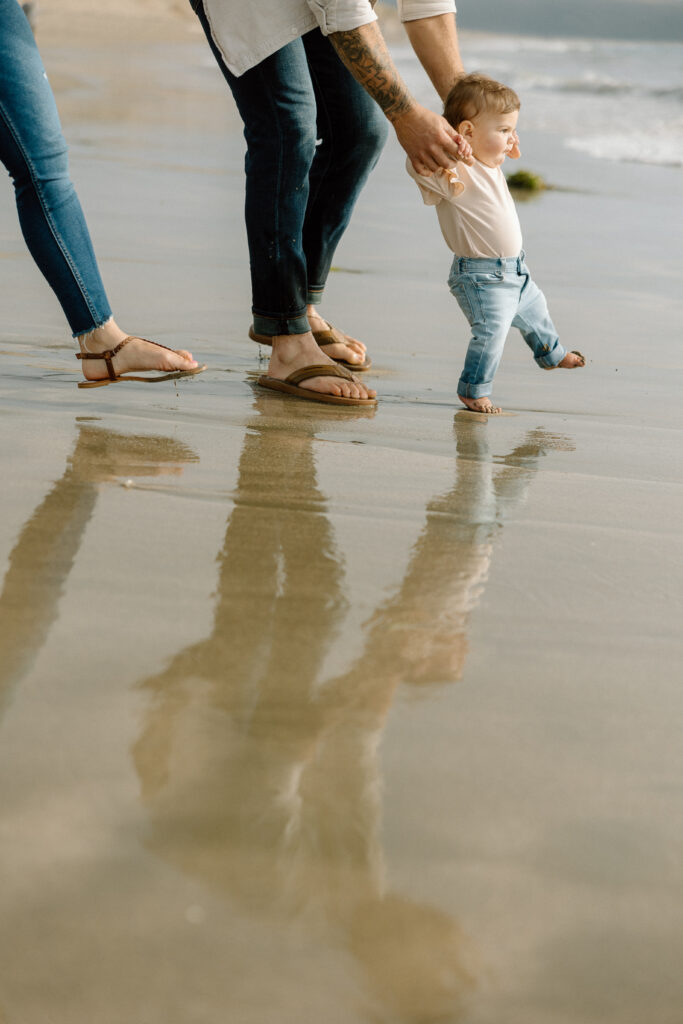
262	779
46	549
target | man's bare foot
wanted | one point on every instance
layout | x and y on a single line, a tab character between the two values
349	349
138	355
572	361
294	351
480	405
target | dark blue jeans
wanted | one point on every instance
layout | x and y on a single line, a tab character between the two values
313	136
33	150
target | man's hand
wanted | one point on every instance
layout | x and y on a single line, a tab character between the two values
429	140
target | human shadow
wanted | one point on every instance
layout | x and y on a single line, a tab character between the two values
46	549
260	774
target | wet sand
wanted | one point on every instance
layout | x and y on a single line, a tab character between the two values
320	715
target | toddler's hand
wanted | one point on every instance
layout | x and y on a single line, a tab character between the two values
515	152
464	150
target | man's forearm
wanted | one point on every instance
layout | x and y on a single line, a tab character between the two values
427	138
365	54
435	42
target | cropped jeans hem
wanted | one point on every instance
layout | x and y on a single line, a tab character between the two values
467	390
315	295
91	327
270	326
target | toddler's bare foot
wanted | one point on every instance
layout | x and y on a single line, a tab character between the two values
480	405
572	360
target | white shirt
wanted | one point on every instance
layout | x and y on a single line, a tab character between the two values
476	212
248	31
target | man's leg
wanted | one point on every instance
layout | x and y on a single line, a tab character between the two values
276	102
351	132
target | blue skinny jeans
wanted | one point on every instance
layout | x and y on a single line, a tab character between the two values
313	135
33	150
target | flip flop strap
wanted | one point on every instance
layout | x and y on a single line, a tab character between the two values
323	370
323	338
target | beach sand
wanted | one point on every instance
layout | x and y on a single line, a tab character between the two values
312	714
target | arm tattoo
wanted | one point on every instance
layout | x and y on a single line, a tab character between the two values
371	65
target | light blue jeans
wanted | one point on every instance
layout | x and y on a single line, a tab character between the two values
33	150
495	295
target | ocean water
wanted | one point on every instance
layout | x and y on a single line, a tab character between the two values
615	100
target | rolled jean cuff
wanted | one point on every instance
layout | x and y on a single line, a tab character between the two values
270	326
314	296
553	358
475	390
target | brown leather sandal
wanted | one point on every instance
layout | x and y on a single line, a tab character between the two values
115	378
290	385
331	336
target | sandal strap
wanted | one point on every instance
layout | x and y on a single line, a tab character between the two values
107	356
322	370
111	352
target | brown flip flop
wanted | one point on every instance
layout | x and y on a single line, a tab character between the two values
290	385
322	339
115	378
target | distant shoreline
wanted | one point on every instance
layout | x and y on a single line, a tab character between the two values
657	21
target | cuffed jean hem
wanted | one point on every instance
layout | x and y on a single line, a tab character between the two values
271	326
553	359
475	390
314	296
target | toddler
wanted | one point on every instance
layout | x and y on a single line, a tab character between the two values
478	219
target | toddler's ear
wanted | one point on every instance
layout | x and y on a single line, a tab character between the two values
466	129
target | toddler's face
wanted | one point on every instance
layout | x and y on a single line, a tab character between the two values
491	136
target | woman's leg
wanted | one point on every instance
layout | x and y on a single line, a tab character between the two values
33	149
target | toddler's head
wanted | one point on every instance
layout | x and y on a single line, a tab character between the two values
485	112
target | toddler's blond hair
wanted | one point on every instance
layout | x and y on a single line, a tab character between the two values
474	94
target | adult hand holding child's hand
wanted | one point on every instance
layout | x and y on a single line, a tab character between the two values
429	140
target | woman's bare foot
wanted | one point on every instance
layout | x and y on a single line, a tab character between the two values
138	355
294	351
349	349
572	361
480	405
